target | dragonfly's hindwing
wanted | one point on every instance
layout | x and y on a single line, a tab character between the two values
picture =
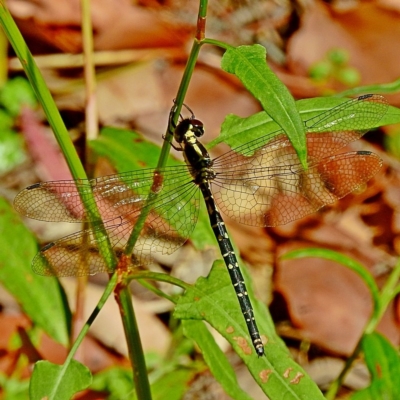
172	215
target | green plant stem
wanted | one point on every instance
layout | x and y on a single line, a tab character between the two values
182	90
129	321
136	355
381	299
106	294
42	93
183	87
337	383
203	9
53	116
388	292
217	43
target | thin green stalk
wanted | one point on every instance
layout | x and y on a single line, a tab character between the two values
217	43
156	291
160	277
53	116
39	86
188	72
337	383
388	292
129	321
203	10
128	317
136	354
106	294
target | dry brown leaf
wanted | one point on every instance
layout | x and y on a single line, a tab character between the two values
117	25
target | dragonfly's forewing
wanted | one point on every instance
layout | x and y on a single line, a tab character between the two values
113	195
265	184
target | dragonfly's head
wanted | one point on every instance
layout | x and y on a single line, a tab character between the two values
188	125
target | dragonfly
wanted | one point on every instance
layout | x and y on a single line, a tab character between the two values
260	183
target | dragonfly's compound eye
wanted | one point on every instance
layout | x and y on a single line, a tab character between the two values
198	127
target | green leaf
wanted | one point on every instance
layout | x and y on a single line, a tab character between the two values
248	63
215	358
54	382
213	299
383	363
42	299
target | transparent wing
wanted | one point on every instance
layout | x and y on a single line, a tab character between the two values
172	217
113	195
262	182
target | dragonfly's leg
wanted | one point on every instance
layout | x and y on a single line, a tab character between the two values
177	148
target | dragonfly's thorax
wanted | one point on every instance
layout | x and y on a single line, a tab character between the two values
199	161
195	154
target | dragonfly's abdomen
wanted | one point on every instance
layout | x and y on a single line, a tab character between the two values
231	262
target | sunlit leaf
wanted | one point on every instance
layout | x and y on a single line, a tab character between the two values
249	64
213	299
383	363
55	382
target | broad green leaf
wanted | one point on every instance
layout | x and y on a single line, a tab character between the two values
55	382
248	63
215	358
129	151
213	299
236	130
383	363
42	299
346	261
